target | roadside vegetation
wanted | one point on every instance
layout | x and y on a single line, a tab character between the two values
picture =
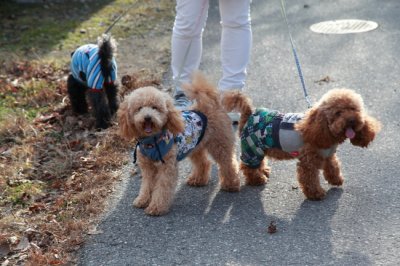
56	171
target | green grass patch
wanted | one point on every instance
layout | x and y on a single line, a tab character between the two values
28	97
24	193
35	30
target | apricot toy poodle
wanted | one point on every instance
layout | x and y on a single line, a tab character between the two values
166	135
312	137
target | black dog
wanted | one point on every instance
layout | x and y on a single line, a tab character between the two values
94	69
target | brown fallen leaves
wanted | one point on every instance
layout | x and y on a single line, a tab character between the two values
272	228
55	170
323	80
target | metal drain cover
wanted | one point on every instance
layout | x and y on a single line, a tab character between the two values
344	26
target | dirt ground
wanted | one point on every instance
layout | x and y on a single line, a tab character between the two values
149	53
58	175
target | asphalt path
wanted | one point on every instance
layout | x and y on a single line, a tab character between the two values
357	224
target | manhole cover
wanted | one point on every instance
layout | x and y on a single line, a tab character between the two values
344	26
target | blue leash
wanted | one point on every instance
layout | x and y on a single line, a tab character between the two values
296	59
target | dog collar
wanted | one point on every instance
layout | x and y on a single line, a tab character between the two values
155	146
158	145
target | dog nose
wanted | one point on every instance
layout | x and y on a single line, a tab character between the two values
147	118
351	122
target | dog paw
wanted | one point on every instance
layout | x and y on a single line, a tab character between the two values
258	180
266	171
256	177
154	210
140	202
233	186
337	181
317	194
195	181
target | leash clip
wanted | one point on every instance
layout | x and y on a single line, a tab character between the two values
309	101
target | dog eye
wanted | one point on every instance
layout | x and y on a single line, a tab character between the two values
338	113
154	107
140	108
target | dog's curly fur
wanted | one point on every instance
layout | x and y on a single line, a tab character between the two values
104	102
160	179
323	126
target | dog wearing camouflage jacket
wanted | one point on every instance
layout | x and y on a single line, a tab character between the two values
312	137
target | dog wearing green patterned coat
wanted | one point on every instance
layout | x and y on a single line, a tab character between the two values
312	138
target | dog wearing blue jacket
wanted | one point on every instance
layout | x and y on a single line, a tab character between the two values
166	136
94	73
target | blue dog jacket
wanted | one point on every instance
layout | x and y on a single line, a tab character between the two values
157	146
85	67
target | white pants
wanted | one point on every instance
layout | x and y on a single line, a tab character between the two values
236	40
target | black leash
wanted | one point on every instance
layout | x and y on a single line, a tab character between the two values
119	17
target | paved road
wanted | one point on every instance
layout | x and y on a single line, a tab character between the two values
358	224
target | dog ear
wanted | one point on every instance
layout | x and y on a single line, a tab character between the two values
314	129
126	129
175	122
367	133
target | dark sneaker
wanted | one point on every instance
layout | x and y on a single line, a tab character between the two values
181	102
235	117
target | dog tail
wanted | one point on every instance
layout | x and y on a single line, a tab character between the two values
205	94
237	101
107	50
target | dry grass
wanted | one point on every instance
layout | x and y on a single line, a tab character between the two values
55	172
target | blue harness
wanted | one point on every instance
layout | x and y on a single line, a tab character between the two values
156	146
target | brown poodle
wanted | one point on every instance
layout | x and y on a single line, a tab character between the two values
166	135
312	137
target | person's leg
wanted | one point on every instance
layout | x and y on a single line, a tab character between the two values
186	43
236	42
